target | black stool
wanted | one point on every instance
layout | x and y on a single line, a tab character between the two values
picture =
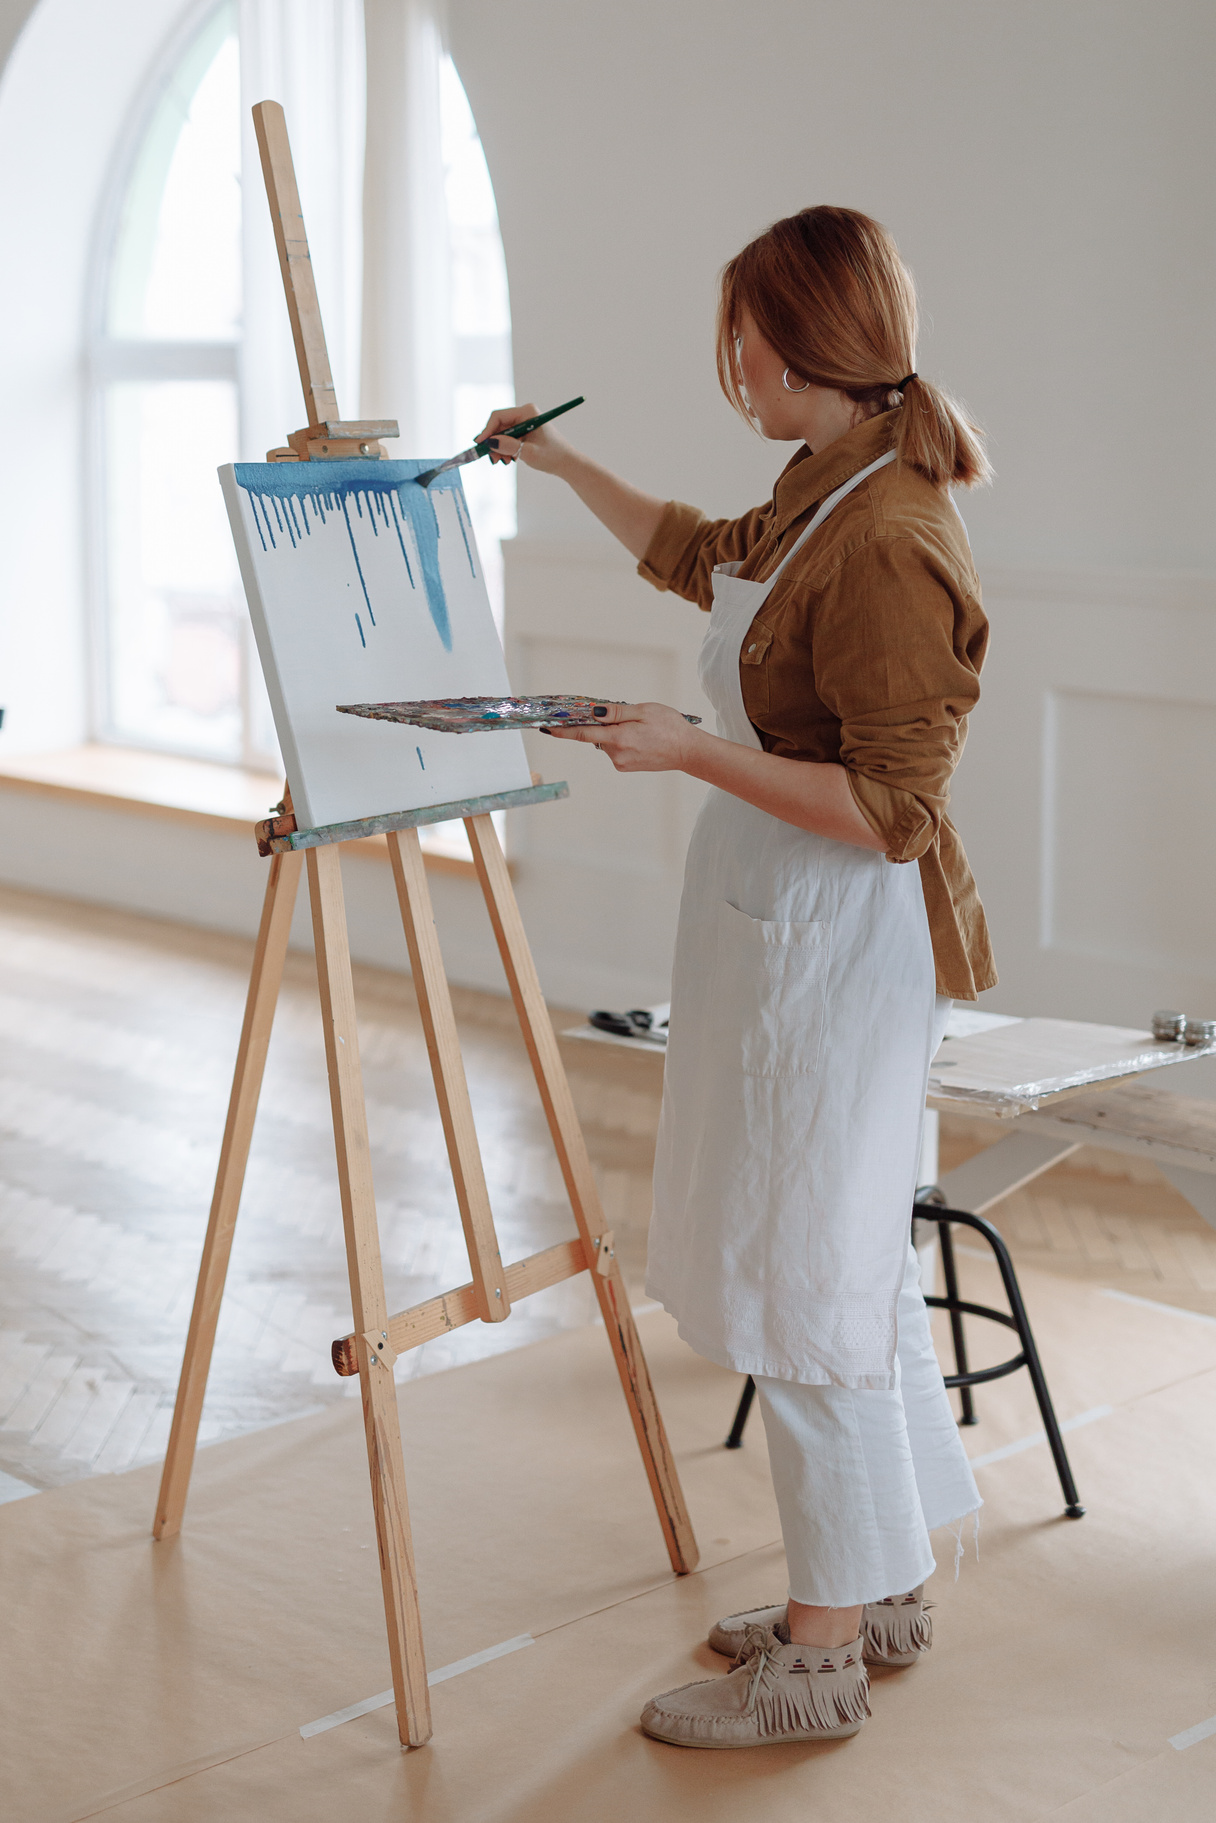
930	1206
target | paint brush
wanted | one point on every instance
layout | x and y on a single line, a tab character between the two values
483	448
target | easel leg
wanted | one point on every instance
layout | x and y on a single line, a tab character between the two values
380	1420
580	1185
447	1069
264	984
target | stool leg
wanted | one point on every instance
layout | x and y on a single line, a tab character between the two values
1072	1506
956	1320
735	1440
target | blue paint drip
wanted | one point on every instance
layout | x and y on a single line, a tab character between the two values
421	761
355	553
401	541
280	494
359	624
466	526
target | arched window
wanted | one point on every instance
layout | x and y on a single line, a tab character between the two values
481	320
175	667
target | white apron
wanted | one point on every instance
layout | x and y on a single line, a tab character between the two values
801	1016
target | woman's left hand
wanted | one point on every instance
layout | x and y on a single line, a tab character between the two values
637	737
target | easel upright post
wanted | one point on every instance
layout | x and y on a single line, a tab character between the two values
295	262
325	436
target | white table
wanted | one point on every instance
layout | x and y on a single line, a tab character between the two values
1061	1084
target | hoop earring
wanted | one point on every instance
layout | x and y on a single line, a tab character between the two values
785	381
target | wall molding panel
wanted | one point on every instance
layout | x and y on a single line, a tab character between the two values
1087	794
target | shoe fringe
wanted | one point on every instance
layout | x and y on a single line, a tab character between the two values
811	1702
896	1630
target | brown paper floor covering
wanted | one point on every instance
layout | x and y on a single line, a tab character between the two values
168	1683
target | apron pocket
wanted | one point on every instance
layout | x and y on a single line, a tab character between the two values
772	983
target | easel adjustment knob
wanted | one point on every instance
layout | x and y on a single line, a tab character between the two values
380	1348
605	1254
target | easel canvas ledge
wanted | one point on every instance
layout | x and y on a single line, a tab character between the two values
378	1337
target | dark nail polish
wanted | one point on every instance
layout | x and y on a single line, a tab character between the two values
600	709
493	442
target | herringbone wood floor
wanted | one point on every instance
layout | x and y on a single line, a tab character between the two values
120	1037
120	1034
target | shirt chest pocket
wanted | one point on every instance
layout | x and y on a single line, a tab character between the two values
753	672
772	991
756	646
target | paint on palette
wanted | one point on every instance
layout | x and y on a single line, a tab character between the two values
373	499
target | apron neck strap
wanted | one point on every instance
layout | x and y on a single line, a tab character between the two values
833	500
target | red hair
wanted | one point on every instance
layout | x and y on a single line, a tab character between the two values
828	291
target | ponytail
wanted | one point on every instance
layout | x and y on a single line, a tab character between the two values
932	434
828	291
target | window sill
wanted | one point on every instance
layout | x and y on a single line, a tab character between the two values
162	785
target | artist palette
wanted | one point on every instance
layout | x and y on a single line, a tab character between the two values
481	714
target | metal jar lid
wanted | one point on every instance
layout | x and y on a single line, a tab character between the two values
1167	1024
1200	1031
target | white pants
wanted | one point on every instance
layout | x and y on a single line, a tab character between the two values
862	1478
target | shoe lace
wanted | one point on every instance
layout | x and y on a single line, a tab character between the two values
756	1655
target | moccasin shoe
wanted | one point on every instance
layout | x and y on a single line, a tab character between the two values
895	1632
898	1631
778	1692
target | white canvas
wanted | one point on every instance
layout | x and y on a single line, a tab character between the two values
364	587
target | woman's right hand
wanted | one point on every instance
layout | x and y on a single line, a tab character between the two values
630	515
541	449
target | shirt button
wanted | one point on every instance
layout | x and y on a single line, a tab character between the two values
752	647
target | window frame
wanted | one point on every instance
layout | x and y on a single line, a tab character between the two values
108	359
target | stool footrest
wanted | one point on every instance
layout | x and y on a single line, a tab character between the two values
930	1206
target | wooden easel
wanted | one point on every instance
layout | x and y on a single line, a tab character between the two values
379	1338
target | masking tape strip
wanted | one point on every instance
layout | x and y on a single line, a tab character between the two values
1190	1737
435	1677
1028	1443
1169	1310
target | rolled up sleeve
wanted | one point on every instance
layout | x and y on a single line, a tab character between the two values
686	546
898	648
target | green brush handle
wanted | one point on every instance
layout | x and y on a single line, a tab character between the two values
529	424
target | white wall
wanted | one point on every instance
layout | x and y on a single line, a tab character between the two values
1047	170
1045	167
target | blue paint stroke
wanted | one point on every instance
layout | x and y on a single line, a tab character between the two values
466	526
421	761
281	495
355	550
359	624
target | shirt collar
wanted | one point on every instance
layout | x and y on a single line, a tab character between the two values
808	478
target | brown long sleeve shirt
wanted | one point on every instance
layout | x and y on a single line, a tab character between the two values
867	653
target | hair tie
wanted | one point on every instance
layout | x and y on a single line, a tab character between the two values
906	381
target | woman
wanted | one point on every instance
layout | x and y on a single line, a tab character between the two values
815	964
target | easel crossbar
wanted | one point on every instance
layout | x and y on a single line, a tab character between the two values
271	841
452	1309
